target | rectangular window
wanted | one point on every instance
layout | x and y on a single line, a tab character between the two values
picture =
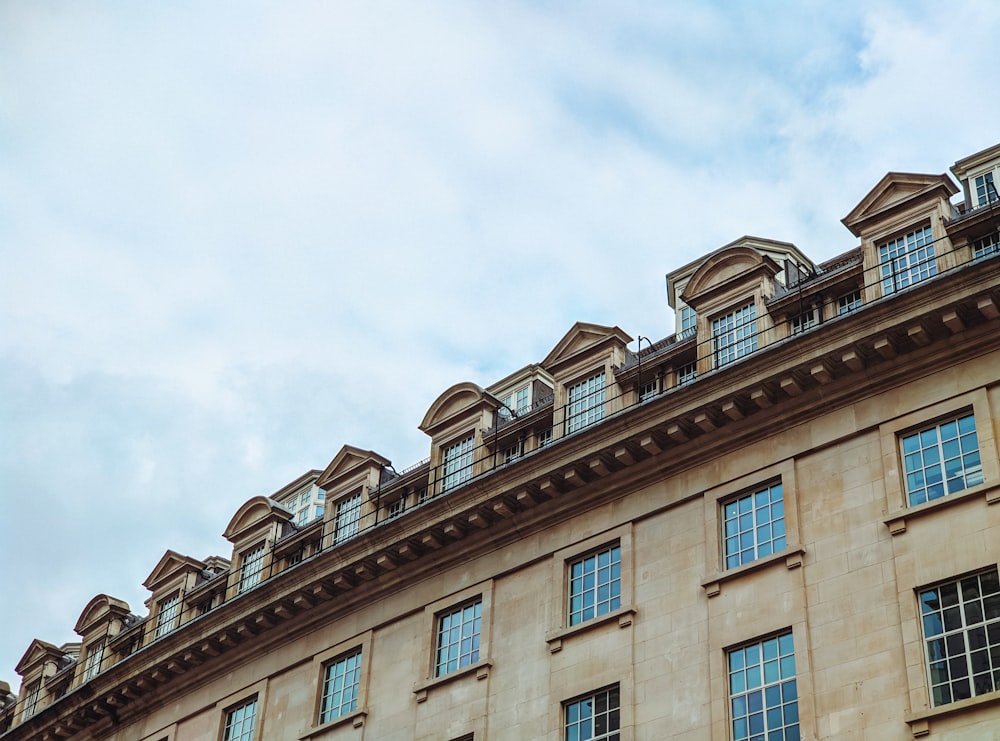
596	717
341	679
348	518
511	454
763	695
687	373
734	335
457	463
961	624
595	584
395	509
988	245
848	302
754	526
805	320
986	191
458	632
544	438
649	389
585	403
942	459
31	699
688	322
907	260
522	399
240	722
168	614
251	568
95	655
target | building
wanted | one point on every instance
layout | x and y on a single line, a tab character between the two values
777	523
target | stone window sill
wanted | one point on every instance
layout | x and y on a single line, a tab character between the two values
356	719
623	615
481	669
791	557
920	722
896	522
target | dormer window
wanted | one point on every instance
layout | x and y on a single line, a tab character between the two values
734	335
907	260
986	246
251	568
986	190
168	614
805	320
456	463
848	302
95	655
688	322
348	520
585	402
518	402
31	695
687	373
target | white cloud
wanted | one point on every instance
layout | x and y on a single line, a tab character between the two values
239	237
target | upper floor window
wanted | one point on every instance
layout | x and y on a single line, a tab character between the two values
848	302
341	679
240	722
986	191
456	463
734	334
754	526
458	632
251	568
596	717
595	584
348	520
544	437
805	320
763	693
31	696
961	625
92	665
518	402
649	389
396	508
585	403
687	373
688	321
986	246
907	260
511	454
942	459
168	614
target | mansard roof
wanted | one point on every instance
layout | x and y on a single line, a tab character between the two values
98	609
253	512
170	563
895	191
580	339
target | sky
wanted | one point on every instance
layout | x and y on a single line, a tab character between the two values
236	236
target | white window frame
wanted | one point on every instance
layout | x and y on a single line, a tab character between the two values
92	663
766	667
907	260
986	246
917	447
251	567
235	721
749	523
347	521
734	334
465	638
849	302
965	613
804	321
594	584
595	716
341	686
687	373
985	189
585	402
457	460
687	321
168	613
32	694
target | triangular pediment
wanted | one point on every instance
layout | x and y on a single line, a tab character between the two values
99	610
895	190
348	460
253	513
582	337
168	566
38	651
458	399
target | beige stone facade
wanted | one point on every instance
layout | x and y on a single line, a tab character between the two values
779	523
